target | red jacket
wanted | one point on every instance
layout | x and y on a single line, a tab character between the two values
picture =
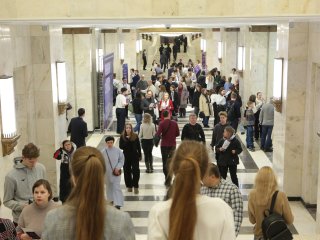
168	133
170	108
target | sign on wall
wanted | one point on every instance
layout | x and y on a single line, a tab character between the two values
108	88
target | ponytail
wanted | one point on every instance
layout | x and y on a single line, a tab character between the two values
88	195
183	212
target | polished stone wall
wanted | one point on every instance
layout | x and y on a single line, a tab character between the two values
29	53
78	50
97	9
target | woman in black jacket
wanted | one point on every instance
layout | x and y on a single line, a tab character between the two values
130	144
137	110
228	149
196	96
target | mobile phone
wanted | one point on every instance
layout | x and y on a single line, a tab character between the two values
33	235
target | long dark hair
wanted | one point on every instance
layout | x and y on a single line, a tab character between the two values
132	137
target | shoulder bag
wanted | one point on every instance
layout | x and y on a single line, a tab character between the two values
113	169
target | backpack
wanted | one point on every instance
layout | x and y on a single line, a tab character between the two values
273	225
230	111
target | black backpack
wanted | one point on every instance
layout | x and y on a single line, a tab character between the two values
231	111
273	225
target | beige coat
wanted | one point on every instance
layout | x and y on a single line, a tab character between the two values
204	106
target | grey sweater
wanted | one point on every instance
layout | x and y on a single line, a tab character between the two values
267	114
60	224
18	186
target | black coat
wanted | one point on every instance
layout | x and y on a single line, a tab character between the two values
196	96
79	132
131	149
193	132
226	157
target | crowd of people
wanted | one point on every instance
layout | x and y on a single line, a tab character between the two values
196	187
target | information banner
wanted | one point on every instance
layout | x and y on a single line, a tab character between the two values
108	88
125	73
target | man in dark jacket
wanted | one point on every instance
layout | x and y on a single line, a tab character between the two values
193	130
229	148
218	130
233	111
78	129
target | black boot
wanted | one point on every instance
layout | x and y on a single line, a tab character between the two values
148	167
151	165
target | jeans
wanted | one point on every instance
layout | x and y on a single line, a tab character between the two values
121	119
249	137
205	121
266	136
138	118
131	171
233	173
147	146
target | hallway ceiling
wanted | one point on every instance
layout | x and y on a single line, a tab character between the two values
165	22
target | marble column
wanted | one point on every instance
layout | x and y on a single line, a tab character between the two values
212	48
46	49
310	170
78	51
258	62
288	140
229	53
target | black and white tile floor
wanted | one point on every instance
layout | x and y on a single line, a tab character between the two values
152	190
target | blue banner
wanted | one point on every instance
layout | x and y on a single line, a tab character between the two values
125	70
108	88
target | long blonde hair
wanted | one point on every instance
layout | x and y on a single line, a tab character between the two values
189	165
88	169
265	185
147	118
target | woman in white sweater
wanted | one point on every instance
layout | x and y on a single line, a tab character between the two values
188	215
146	134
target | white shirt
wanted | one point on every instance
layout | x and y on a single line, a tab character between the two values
234	77
121	101
214	220
218	99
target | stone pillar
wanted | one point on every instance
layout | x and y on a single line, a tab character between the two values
78	50
258	62
310	169
288	140
229	53
212	48
46	49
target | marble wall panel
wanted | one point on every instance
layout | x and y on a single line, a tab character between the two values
271	55
43	106
40	49
229	60
82	69
42	77
279	130
21	46
310	185
19	9
69	59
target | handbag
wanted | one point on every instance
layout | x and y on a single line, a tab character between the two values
201	114
156	138
113	169
130	107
